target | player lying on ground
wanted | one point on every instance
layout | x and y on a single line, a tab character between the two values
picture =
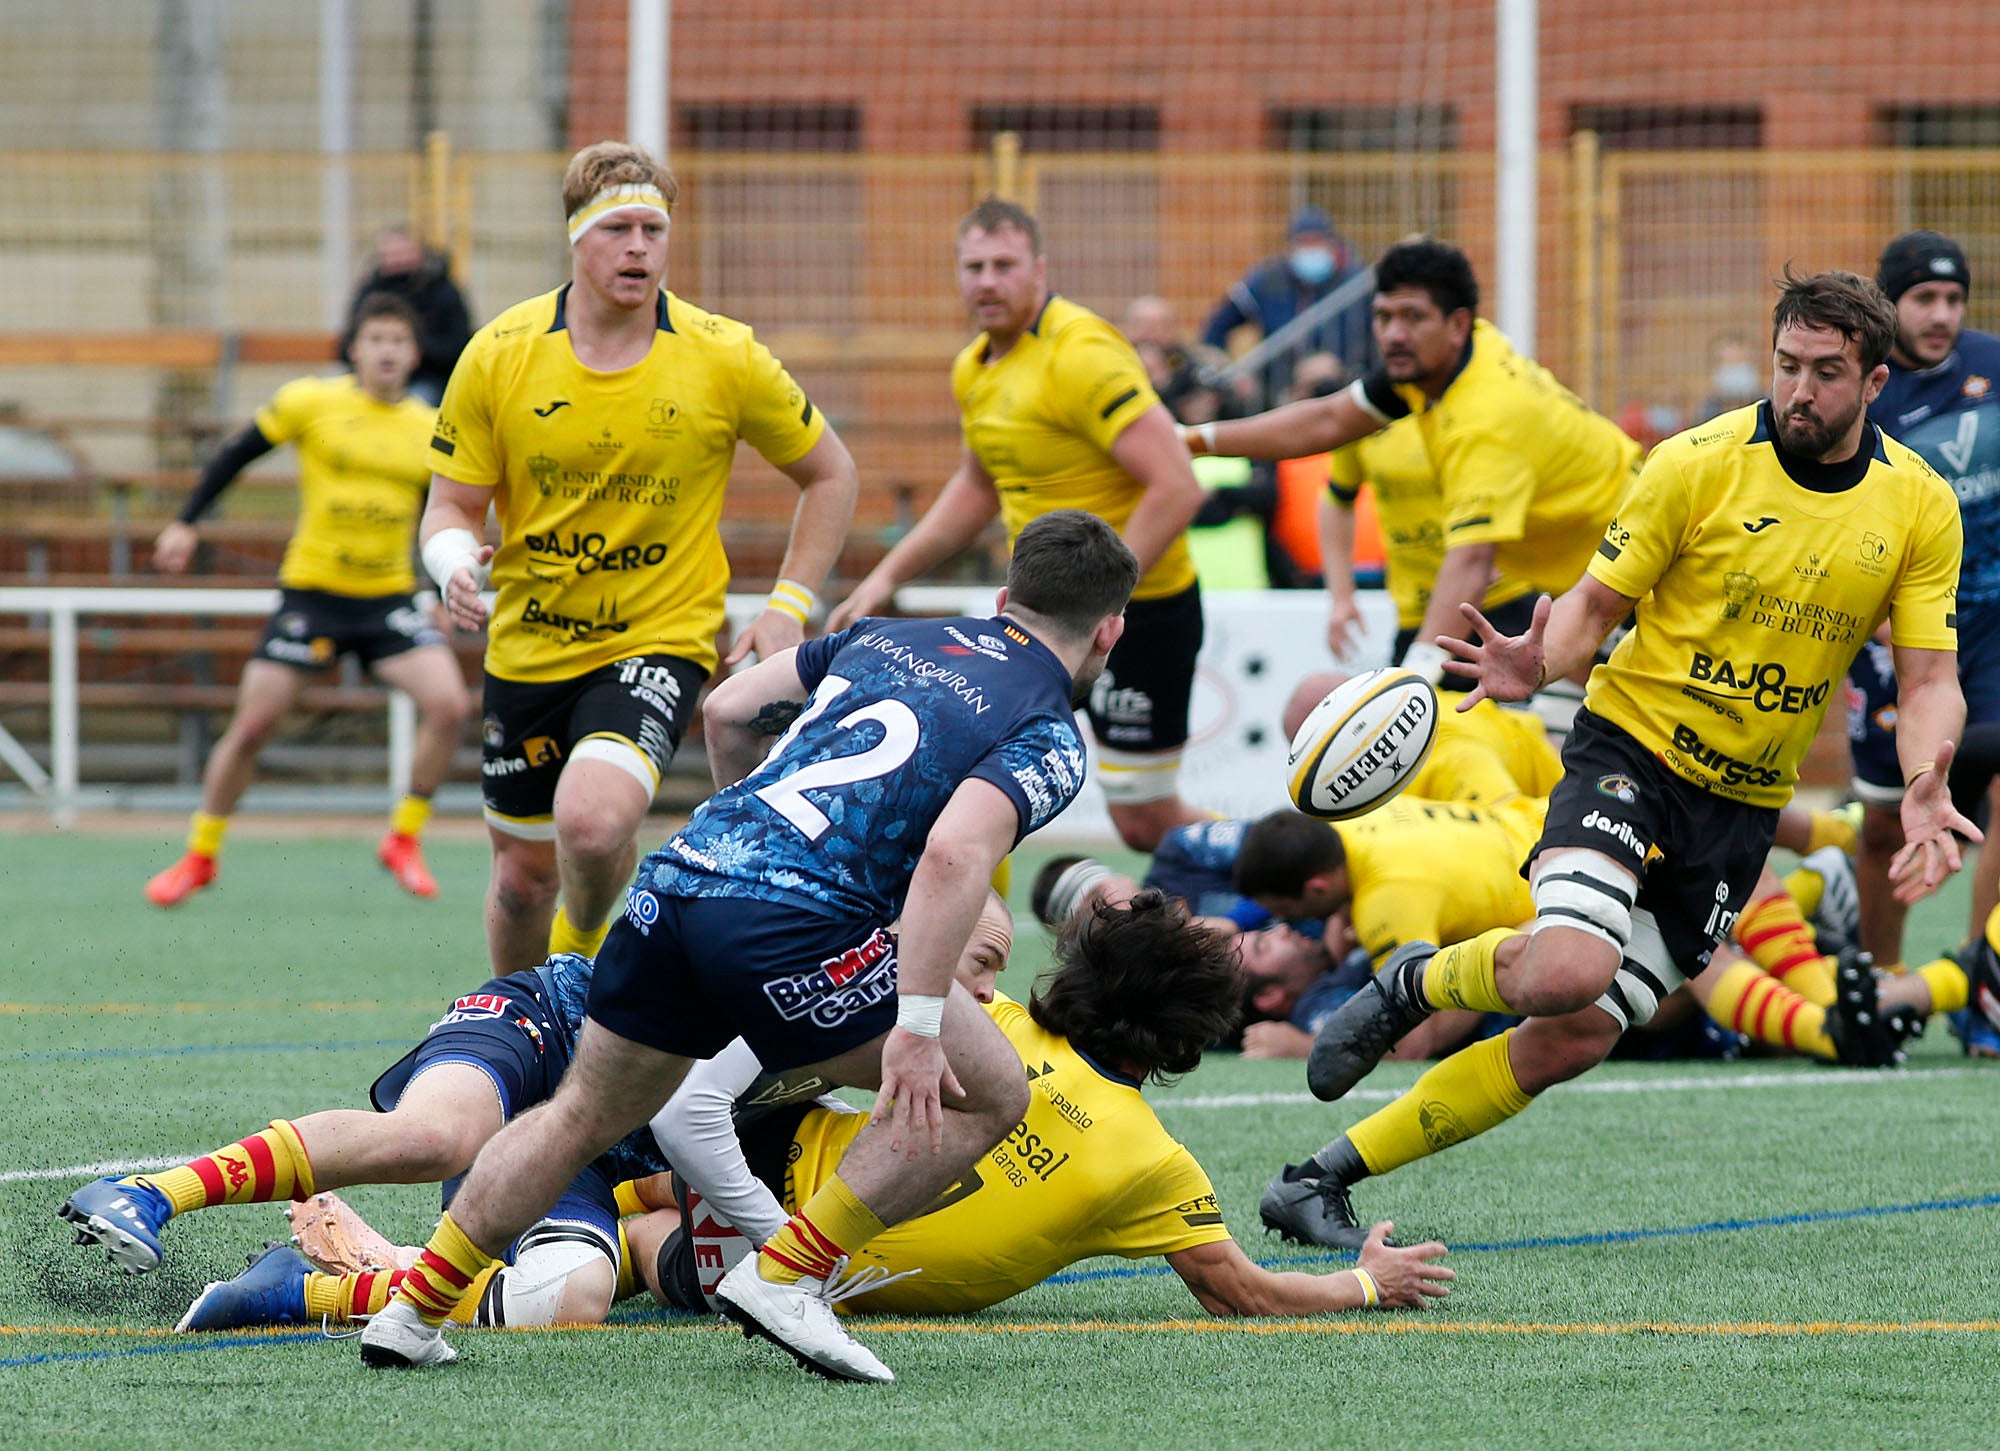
496	1053
1134	998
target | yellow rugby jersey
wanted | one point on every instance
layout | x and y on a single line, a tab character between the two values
609	486
1089	1171
1408	506
362	485
1042	420
1522	464
1400	893
1755	590
1485	754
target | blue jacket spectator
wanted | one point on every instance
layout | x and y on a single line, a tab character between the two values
1316	260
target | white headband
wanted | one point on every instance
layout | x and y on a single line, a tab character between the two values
616	198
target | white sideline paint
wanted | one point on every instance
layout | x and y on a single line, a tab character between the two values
1257	1100
1606	1085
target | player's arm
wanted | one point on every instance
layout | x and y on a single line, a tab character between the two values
747	711
174	549
1336	556
828	486
968	502
977	827
1561	640
696	1131
1227	1282
451	535
1309	426
1150	450
1930	718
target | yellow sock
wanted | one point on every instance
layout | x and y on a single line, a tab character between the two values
1805	886
830	1224
344	1298
629	1283
1812	981
1003	876
1830	828
205	834
1468	1093
444	1273
1950	988
1748	1000
466	1311
266	1166
565	938
626	1196
411	816
1461	975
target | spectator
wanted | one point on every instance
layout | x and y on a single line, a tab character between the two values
1301	483
406	268
1152	327
1228	537
1736	382
1317	260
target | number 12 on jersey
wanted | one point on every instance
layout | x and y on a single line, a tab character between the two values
787	794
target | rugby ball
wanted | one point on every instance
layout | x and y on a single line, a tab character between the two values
1361	743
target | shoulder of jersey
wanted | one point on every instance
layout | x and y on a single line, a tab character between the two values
1905	459
1068	322
699	322
1734	427
1979	351
523	321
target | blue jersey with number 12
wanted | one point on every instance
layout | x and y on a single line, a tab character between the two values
901	713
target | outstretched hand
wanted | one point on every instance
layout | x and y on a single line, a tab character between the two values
1501	667
1405	1275
1930	849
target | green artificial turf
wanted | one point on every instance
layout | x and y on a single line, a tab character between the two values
1742	1202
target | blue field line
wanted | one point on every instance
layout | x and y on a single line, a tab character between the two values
233	1342
70	1055
1574	1241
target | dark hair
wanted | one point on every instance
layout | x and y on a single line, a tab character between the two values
995	215
1281	851
1841	302
1437	267
1139	988
386	304
1072	569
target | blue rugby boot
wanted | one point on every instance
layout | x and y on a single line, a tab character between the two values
122	1215
271	1292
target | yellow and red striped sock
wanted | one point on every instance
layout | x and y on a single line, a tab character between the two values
347	1298
444	1273
830	1224
266	1166
1748	1000
1774	933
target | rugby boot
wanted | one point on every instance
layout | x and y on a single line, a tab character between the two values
799	1319
404	857
1836	921
1311	1210
339	1241
271	1292
1353	1039
181	880
1863	1035
124	1216
398	1339
1977	1024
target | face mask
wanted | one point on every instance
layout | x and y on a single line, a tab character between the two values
1312	265
1735	380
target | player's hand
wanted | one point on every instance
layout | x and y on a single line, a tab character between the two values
1405	1274
1343	627
1501	667
173	551
869	598
1276	1040
769	633
915	1078
462	604
1930	849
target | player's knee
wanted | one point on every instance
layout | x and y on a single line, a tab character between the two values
588	836
1582	927
447	708
1142	824
431	1151
252	731
558	1281
524	881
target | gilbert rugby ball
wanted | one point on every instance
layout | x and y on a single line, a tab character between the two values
1361	743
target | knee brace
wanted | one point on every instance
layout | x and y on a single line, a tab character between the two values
530	1290
1583	890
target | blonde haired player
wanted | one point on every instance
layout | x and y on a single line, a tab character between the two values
600	422
1058	413
345	584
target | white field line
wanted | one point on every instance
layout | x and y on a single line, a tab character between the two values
1823	1081
1829	1080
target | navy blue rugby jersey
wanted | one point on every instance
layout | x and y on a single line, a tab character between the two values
901	713
1951	415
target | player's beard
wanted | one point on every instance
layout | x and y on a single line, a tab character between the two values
1811	438
1086	677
